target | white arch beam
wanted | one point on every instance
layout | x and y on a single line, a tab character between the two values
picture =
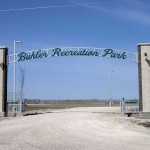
73	51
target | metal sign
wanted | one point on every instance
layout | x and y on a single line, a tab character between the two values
129	106
73	51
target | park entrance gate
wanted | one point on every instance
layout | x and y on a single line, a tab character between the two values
142	57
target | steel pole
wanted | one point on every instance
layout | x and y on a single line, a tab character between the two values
14	88
110	90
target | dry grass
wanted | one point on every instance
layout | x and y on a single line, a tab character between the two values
31	107
145	124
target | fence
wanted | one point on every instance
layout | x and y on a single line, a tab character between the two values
13	107
129	106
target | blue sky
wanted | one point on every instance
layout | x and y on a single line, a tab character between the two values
116	24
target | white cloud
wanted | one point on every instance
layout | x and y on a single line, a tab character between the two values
135	10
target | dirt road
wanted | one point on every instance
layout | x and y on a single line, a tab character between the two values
74	129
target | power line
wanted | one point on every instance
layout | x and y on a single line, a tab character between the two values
57	6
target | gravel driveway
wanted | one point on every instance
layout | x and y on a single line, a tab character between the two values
87	128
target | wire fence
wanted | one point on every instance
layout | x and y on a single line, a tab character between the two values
15	106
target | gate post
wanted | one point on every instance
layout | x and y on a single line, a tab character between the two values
3	81
144	79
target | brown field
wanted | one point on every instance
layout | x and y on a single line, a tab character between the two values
31	107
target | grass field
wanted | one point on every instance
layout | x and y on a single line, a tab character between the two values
31	107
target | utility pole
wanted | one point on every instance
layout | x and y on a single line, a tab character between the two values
110	86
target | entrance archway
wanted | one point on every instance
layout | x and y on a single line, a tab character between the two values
142	58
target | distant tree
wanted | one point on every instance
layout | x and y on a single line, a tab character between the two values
22	82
